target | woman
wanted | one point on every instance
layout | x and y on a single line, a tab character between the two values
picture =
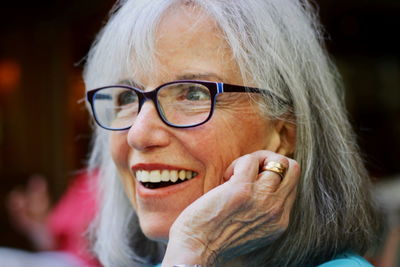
234	96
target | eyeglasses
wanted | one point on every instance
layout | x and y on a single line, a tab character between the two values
179	104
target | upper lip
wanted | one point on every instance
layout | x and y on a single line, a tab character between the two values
156	166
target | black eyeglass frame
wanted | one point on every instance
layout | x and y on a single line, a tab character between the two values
215	89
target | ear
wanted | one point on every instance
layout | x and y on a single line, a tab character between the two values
287	136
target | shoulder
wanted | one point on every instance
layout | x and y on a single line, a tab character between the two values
347	260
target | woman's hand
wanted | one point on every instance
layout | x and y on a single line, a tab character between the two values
250	210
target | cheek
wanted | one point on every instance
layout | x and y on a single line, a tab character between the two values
119	148
231	135
242	132
215	145
120	155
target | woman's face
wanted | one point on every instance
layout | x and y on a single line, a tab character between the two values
187	48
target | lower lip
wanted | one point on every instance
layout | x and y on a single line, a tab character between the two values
144	192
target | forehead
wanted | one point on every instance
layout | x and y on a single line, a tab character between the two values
187	22
188	41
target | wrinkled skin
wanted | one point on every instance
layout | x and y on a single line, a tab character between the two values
250	210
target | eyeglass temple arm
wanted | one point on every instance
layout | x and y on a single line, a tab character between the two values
226	87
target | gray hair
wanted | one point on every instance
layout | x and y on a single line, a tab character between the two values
278	45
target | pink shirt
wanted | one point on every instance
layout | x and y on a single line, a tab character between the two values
71	216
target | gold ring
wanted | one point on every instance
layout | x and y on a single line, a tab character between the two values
275	167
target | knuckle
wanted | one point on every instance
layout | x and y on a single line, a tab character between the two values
295	166
249	157
284	161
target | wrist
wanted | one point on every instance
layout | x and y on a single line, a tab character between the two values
186	250
182	254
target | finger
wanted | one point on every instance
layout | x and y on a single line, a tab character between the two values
281	161
292	177
260	156
271	180
243	169
229	171
292	174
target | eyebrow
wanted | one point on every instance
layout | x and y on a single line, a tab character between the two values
130	83
200	76
208	76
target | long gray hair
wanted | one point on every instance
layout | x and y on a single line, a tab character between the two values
278	45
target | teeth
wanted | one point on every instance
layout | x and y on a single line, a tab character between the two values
157	176
182	174
165	176
174	176
145	176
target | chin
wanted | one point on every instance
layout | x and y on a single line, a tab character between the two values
156	229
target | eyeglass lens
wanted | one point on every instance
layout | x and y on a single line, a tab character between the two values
180	104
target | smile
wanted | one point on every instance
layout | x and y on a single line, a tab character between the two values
161	178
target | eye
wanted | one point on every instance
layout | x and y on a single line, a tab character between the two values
126	98
197	93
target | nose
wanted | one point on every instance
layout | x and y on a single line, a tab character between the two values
148	131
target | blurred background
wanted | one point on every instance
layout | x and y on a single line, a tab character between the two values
45	128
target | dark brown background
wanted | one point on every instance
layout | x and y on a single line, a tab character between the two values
45	129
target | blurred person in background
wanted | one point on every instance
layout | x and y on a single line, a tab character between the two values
59	233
